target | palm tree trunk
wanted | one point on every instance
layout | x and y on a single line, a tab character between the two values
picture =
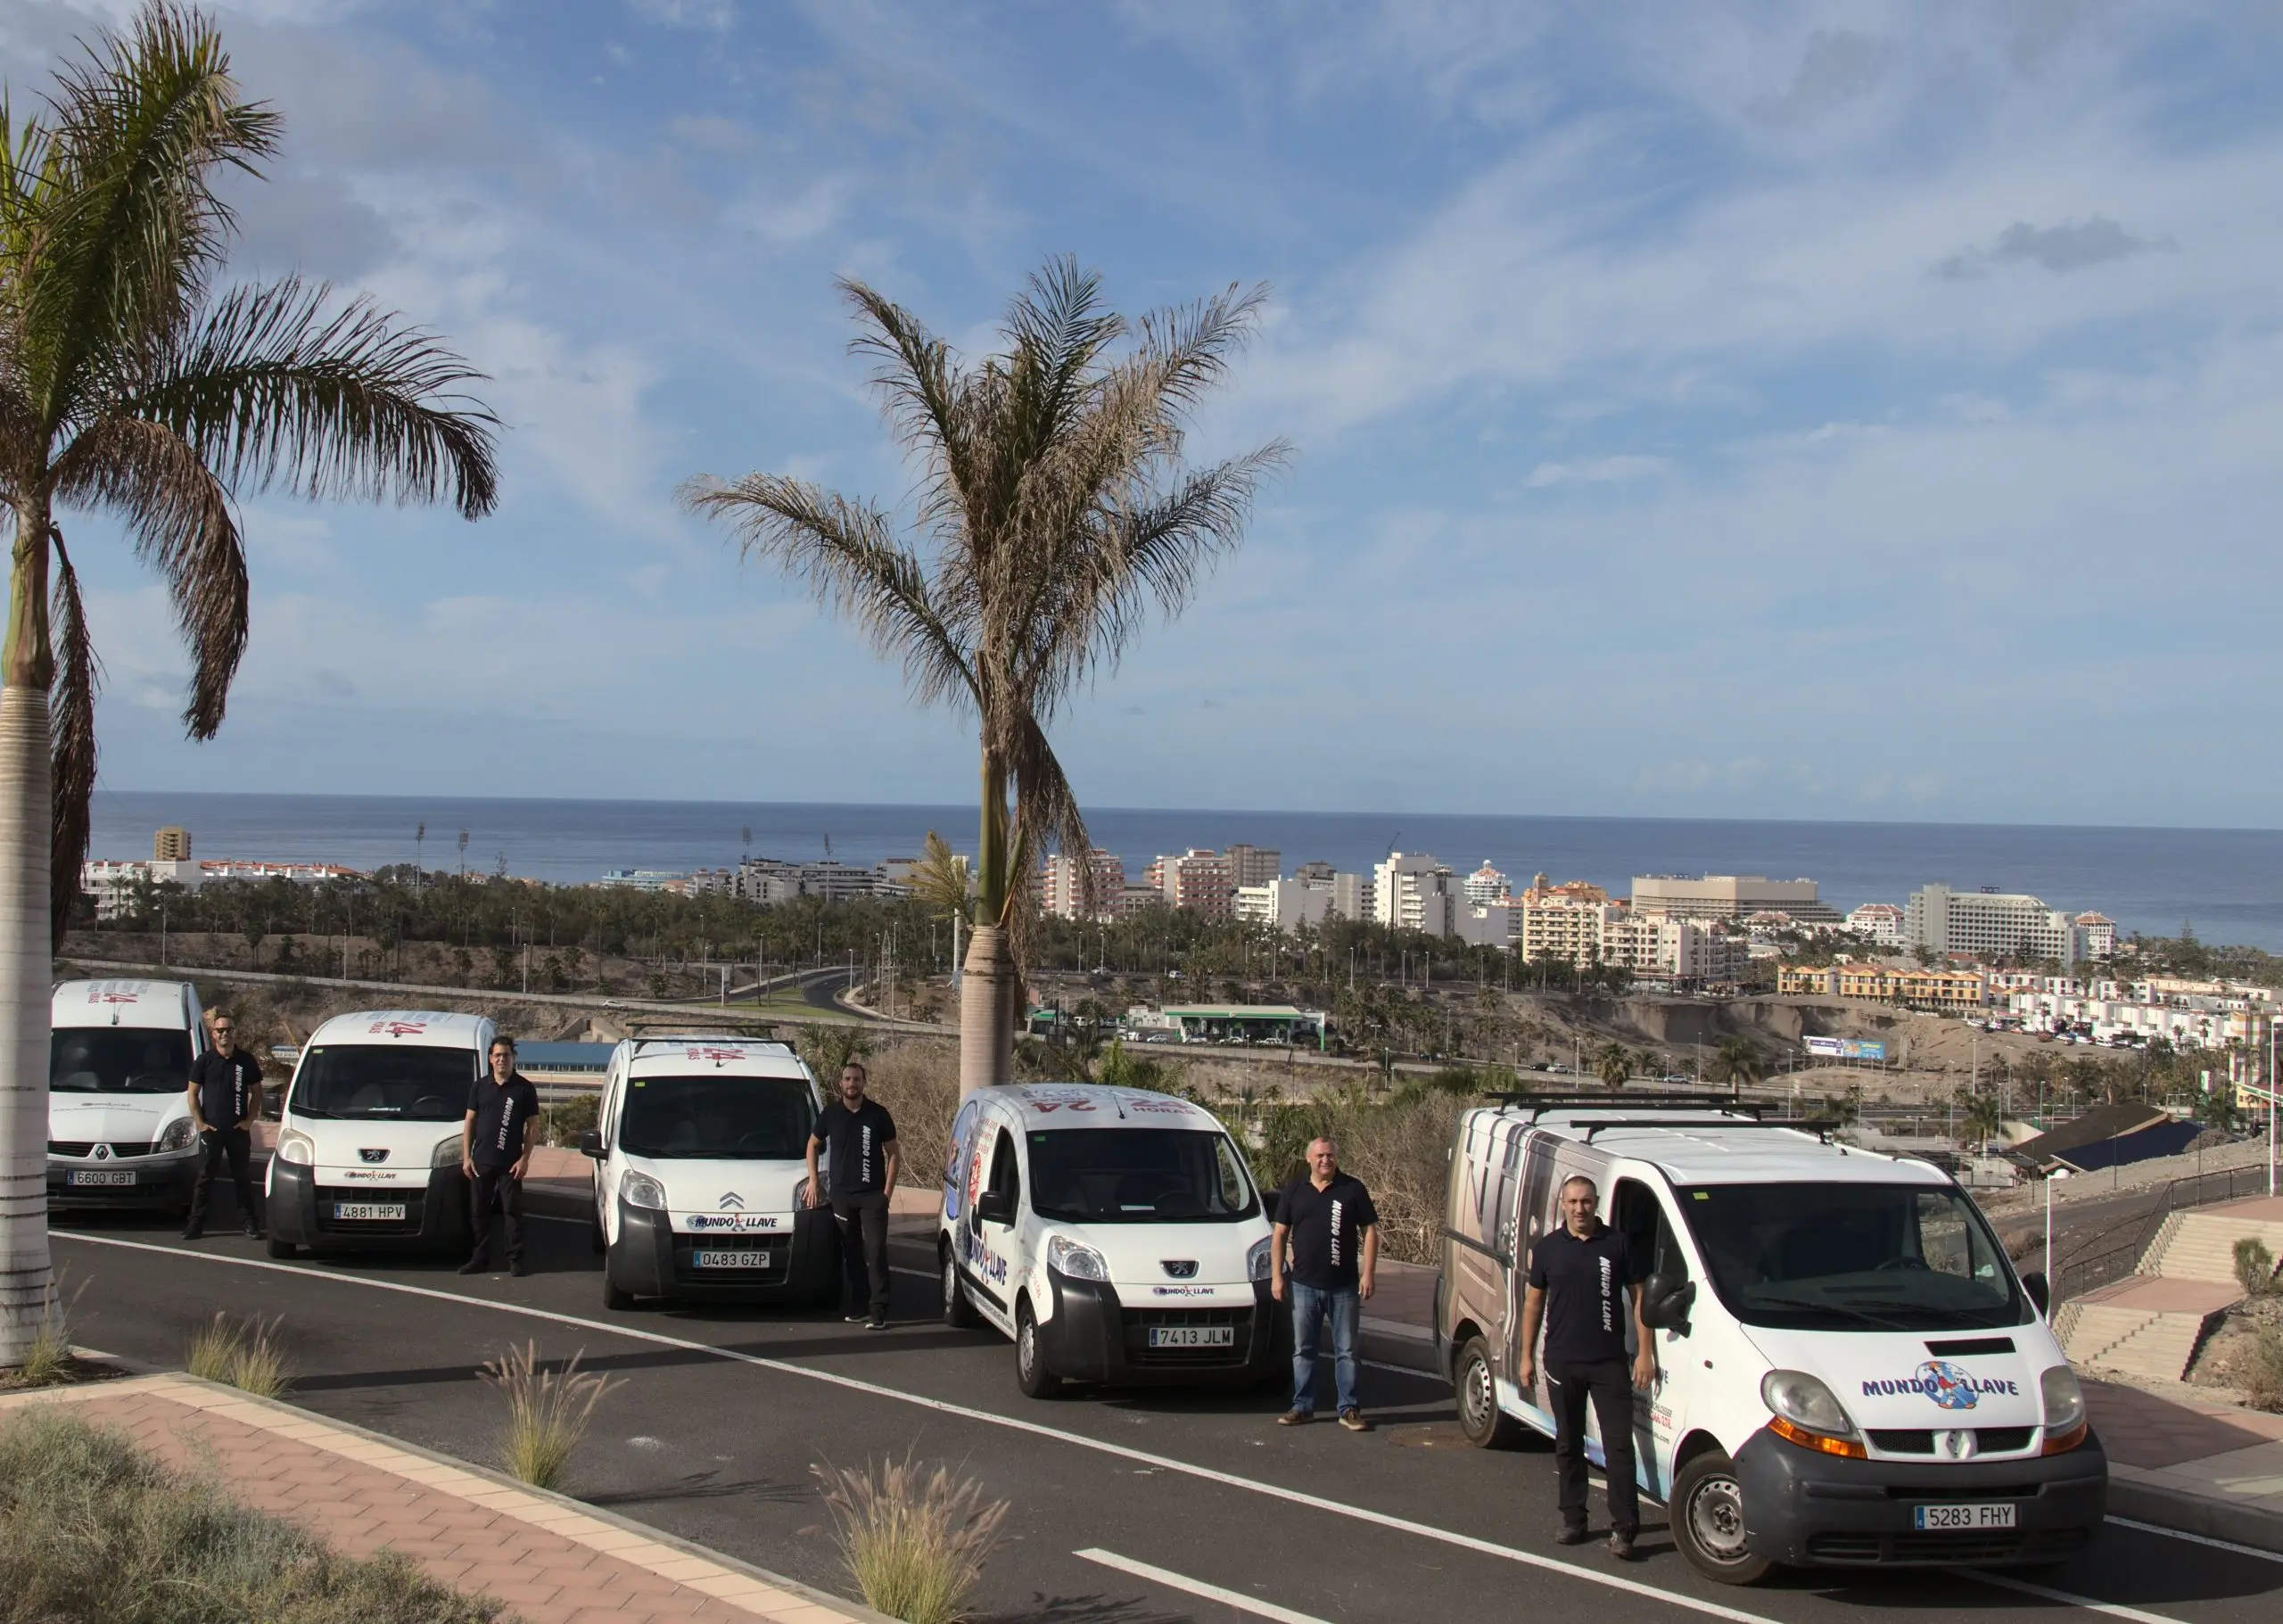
986	986
25	965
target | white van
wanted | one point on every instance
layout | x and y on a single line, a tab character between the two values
700	1174
1114	1233
119	1132
1850	1373
368	1149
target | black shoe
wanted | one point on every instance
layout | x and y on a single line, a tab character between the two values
878	1322
253	1232
1620	1543
861	1317
194	1231
1573	1536
473	1266
515	1267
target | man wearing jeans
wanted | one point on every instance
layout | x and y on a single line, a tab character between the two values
1328	1223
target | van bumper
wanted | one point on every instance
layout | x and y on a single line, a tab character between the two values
1809	1509
649	1259
162	1183
297	1212
1093	1336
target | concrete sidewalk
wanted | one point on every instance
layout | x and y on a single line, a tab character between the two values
548	1559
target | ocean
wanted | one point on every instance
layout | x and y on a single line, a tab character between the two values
2227	883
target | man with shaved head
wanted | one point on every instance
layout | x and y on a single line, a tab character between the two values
1328	1222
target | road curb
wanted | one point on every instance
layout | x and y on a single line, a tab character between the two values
2187	1514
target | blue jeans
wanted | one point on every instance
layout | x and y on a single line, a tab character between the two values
1311	1308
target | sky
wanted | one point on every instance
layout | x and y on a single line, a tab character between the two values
1824	411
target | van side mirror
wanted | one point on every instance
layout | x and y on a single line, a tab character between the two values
995	1207
2040	1290
1665	1303
590	1141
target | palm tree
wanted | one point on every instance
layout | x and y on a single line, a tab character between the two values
1613	1064
1981	1116
1054	510
1737	1063
129	383
943	882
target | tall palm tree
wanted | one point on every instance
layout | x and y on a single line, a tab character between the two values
1613	1064
1054	510
1737	1063
129	384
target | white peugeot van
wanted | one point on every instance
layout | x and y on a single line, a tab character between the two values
1849	1372
368	1150
119	1132
701	1173
1114	1233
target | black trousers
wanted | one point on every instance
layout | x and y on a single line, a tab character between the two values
235	1145
864	1246
1609	1384
494	1187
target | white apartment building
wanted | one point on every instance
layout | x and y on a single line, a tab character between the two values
2100	934
1682	949
1486	924
1882	922
2211	1028
1990	925
1485	886
1566	930
1197	879
1353	896
1283	904
771	879
1062	885
110	883
1730	896
1410	891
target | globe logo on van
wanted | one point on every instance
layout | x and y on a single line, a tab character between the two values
1947	1385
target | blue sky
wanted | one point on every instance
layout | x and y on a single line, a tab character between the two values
1824	411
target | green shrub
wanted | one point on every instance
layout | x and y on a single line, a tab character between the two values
2263	1375
914	1540
93	1529
547	1413
562	1123
2255	1266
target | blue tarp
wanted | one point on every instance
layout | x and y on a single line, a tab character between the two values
2165	1139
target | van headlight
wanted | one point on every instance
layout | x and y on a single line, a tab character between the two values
640	1190
2064	1409
1075	1259
1257	1258
177	1135
801	1194
448	1153
296	1150
1808	1413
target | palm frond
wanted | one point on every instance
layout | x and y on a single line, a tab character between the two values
942	880
278	387
72	741
925	395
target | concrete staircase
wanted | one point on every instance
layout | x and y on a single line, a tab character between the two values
2153	1323
2136	1341
2202	1245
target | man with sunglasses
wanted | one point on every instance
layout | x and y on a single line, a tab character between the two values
225	1096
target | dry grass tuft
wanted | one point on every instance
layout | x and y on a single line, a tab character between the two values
915	1540
47	1359
548	1411
918	1082
240	1353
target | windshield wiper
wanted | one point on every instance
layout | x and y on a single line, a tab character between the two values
1825	1304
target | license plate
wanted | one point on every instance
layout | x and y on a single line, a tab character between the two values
108	1176
369	1212
1944	1519
730	1260
1192	1336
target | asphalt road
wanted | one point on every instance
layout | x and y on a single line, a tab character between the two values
723	1414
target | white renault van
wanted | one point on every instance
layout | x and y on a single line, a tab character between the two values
1114	1233
701	1173
119	1132
1850	1373
368	1149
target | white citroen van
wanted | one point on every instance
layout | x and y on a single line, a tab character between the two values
1114	1233
368	1149
119	1132
701	1173
1850	1373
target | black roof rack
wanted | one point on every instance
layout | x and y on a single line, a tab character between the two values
1606	1100
648	1025
1805	1124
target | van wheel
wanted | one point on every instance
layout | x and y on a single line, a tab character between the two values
281	1248
1031	1374
1484	1425
959	1313
615	1296
1707	1521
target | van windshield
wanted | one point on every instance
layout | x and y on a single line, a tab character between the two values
1851	1257
384	1081
1137	1175
717	1119
117	1060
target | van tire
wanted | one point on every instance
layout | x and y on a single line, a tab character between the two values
1481	1422
281	1248
615	1297
959	1313
1707	1513
1031	1374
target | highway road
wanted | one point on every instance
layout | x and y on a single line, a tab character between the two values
1128	1508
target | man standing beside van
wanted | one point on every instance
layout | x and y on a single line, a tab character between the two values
1584	1288
1332	1228
225	1095
860	1135
496	1141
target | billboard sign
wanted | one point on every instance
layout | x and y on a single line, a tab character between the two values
1847	1048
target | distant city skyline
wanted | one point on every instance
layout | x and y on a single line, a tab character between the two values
1831	411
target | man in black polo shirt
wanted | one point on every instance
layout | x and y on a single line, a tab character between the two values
495	1142
225	1095
1584	1286
858	1136
1332	1229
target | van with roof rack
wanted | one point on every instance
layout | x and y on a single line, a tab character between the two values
700	1156
119	1132
1849	1372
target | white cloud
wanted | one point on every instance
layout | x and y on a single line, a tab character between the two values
1596	471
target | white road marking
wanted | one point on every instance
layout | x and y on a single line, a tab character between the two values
1292	1496
2115	1610
2217	1545
1211	1592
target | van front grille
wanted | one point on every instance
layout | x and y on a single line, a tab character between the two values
85	1147
2007	1545
1920	1440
